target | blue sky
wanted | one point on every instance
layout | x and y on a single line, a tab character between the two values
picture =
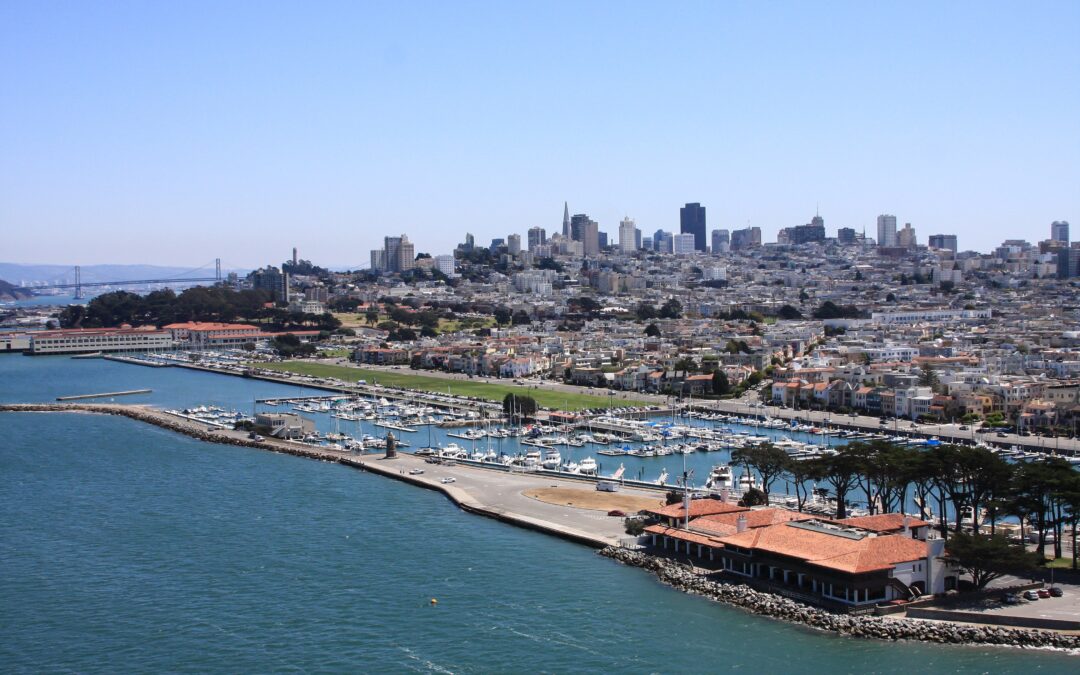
174	133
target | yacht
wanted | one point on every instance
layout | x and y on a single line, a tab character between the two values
552	459
587	467
532	459
719	478
453	451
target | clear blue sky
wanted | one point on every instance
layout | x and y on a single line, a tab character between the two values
176	132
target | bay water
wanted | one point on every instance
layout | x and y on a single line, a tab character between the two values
128	548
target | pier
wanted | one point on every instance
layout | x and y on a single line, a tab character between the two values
79	397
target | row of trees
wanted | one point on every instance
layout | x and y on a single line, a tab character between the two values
199	303
962	480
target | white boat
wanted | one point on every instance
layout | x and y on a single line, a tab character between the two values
532	459
662	480
453	451
719	478
552	459
587	467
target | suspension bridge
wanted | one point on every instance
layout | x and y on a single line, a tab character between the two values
78	284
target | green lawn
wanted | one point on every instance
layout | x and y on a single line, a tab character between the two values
1060	563
405	378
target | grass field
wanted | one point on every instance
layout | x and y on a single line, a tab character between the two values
494	392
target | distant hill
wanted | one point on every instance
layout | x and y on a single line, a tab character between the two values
29	274
10	292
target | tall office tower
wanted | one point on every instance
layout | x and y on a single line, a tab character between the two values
576	223
470	243
905	238
627	236
603	240
566	220
590	238
406	255
378	260
295	260
692	221
886	230
392	246
513	244
721	240
646	243
1068	263
943	242
1059	231
666	242
637	238
845	236
537	237
749	237
271	279
657	237
683	243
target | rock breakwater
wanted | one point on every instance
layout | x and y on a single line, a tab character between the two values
682	577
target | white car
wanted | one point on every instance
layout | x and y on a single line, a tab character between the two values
448	479
415	472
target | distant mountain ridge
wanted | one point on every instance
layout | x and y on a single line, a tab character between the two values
18	274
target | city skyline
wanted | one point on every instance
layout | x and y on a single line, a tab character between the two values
293	127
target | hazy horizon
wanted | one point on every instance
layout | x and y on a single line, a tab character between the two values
175	134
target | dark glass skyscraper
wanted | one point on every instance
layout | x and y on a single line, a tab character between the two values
692	221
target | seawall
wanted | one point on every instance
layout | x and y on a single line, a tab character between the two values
682	577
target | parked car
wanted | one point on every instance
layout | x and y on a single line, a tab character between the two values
1031	595
1043	593
448	479
1002	434
617	513
1056	592
964	427
1010	599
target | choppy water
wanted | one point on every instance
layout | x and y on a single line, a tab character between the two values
126	548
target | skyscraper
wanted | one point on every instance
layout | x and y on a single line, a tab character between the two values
944	242
692	221
749	237
513	244
1059	231
905	238
406	255
627	236
566	220
721	240
886	230
590	237
537	237
845	236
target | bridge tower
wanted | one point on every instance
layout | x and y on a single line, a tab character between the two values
78	283
217	269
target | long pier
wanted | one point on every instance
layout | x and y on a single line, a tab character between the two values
108	394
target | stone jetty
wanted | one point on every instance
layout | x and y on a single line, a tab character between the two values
683	577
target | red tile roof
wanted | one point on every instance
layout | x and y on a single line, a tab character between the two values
724	524
698	507
831	550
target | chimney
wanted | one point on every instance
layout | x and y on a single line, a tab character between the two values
740	523
907	525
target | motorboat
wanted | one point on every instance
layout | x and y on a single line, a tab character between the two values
587	467
719	478
552	459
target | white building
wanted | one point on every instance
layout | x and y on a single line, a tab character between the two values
83	340
446	265
627	236
682	244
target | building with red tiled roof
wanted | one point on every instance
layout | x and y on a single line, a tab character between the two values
675	514
844	564
837	564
